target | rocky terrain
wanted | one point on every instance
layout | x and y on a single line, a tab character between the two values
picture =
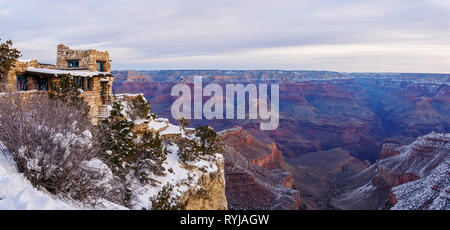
315	175
414	176
250	184
258	153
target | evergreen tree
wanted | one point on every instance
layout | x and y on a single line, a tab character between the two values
151	147
140	108
66	89
165	201
119	145
150	156
184	123
209	141
8	58
188	150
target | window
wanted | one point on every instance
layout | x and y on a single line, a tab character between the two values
83	83
101	66
73	63
22	83
43	83
79	82
89	84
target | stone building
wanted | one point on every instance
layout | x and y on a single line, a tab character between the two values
91	69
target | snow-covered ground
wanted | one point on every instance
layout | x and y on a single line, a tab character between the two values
431	192
183	177
16	192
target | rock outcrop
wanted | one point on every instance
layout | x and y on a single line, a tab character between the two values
416	176
258	153
389	150
252	180
212	196
250	187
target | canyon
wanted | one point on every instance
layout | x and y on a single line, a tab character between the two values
416	176
320	110
335	129
253	174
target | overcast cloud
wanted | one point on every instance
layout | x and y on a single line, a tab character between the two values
340	35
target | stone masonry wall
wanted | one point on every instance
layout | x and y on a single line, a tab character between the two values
93	97
87	58
19	69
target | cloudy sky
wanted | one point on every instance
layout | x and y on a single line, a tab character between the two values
340	35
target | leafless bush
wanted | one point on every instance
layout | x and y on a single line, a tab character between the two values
50	143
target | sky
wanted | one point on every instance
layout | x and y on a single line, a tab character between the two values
336	35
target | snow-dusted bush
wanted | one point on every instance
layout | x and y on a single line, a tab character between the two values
188	149
67	90
165	200
209	140
118	140
52	146
139	108
150	156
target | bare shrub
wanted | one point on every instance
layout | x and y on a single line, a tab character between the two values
51	143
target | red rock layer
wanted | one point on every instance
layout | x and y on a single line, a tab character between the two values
266	156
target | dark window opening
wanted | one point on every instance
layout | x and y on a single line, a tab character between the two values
73	63
22	83
83	83
101	66
43	84
79	82
102	89
89	84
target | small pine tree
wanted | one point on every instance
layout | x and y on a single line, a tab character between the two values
119	144
165	201
150	157
188	150
184	123
8	58
66	90
151	147
209	141
140	108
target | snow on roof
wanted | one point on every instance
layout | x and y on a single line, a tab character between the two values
26	60
76	73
